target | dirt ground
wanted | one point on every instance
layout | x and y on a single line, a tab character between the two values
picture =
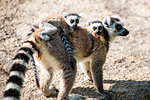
127	68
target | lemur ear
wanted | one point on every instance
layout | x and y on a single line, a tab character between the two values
65	14
80	15
88	22
114	16
107	21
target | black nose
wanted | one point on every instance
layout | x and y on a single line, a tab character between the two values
125	32
75	25
98	33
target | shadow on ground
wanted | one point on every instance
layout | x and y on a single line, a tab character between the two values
134	90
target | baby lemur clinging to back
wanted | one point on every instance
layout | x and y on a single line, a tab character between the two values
67	22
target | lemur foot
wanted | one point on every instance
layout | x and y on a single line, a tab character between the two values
44	36
74	97
52	92
106	95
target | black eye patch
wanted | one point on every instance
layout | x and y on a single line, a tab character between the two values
94	28
100	28
71	21
77	20
118	26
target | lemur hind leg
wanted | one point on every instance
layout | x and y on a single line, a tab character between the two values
45	81
85	67
66	83
97	76
48	30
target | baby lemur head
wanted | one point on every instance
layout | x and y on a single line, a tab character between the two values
72	19
96	26
114	27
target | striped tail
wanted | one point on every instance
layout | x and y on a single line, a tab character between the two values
35	72
17	71
32	60
68	49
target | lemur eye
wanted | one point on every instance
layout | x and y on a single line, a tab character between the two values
100	28
94	28
77	21
118	27
71	21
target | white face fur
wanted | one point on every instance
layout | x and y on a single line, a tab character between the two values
114	27
96	26
72	19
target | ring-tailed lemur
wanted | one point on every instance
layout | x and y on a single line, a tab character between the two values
51	24
49	56
102	33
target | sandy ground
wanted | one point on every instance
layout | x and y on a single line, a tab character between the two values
127	68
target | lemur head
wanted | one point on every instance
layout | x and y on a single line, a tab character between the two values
72	19
96	26
114	27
